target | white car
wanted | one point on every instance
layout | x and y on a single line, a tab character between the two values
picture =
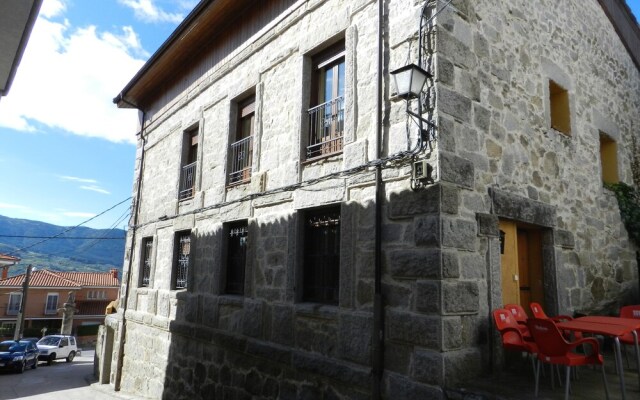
54	347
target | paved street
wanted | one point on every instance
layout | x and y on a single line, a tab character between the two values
62	380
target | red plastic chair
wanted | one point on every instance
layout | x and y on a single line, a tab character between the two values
554	349
512	338
538	312
521	318
629	312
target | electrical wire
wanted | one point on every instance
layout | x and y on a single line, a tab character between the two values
63	237
15	252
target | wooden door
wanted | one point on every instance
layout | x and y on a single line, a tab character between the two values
509	262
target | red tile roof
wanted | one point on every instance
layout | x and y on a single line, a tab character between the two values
47	278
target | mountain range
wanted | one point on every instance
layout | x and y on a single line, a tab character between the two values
80	249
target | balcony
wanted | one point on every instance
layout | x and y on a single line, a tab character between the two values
187	181
326	128
240	161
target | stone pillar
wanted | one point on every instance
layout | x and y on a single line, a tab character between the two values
68	309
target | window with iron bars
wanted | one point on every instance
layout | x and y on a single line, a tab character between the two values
183	255
189	164
241	150
326	115
236	257
145	273
321	270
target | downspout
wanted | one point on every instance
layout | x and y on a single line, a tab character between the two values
378	305
123	331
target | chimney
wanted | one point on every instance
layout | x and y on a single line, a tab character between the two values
5	272
114	272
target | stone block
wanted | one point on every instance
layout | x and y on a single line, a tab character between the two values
413	328
408	203
428	297
252	318
488	225
445	71
397	295
451	333
428	367
427	231
454	104
455	169
564	239
481	118
455	50
414	263
522	209
268	351
402	387
354	337
462	365
450	264
330	368
282	324
458	233
460	297
450	199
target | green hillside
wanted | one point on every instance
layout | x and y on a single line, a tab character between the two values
69	253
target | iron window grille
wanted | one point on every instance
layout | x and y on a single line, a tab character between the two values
182	262
236	258
326	114
146	262
322	256
241	151
189	164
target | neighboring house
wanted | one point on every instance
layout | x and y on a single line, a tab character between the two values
48	291
7	261
280	247
16	21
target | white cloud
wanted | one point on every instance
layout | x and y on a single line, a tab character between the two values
147	11
13	206
76	179
68	78
94	188
52	8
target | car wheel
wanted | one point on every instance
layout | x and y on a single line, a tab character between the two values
22	367
50	359
71	356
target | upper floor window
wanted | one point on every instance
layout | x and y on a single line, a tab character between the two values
326	112
321	270
236	257
52	304
608	159
145	273
559	108
15	299
183	256
241	148
189	164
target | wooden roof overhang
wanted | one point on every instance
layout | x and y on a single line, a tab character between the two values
187	44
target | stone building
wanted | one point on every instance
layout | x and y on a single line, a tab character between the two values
296	235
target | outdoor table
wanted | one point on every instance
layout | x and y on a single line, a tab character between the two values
604	327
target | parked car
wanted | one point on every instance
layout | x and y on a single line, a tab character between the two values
18	355
54	347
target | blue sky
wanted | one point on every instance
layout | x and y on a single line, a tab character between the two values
66	152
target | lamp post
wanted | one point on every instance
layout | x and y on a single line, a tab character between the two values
17	334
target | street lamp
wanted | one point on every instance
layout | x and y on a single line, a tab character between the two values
409	81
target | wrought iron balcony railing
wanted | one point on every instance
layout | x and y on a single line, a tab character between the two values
187	181
326	128
240	160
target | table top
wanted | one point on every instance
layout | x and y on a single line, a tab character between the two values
630	322
598	328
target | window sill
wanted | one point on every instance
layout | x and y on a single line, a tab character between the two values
231	300
237	184
317	310
322	158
